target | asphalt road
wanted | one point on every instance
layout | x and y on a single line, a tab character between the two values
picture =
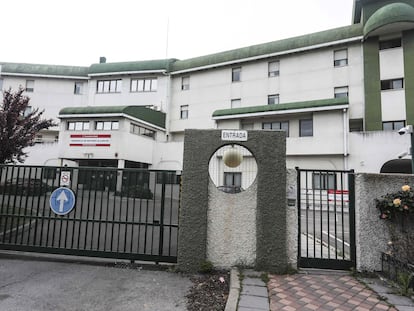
331	228
43	286
100	221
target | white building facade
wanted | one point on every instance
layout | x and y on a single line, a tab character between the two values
340	95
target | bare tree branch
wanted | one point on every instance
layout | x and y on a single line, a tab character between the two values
17	129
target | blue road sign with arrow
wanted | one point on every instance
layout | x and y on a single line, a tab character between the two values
62	201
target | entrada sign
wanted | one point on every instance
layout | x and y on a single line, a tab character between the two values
234	135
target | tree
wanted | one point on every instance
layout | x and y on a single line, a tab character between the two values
18	126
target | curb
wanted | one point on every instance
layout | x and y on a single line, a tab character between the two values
234	292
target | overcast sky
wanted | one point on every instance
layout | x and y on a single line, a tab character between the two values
78	32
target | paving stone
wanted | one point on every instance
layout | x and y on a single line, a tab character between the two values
246	309
259	303
322	292
380	289
398	300
253	281
255	290
252	273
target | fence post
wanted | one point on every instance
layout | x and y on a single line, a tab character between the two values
351	206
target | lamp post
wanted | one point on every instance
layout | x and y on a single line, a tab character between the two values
409	130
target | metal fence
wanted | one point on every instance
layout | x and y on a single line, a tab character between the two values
326	214
118	213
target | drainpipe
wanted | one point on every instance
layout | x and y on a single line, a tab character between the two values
346	137
168	106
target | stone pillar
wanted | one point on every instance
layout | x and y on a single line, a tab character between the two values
269	150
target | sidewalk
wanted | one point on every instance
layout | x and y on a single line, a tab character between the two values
322	290
313	290
254	293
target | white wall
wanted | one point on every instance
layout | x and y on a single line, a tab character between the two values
123	144
328	132
50	94
303	77
168	156
353	77
370	150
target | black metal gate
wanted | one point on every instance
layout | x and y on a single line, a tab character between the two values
119	213
326	209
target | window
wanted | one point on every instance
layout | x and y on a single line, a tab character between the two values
247	126
78	88
27	111
356	125
273	99
273	69
107	125
38	139
324	181
185	83
184	112
78	125
232	179
29	85
144	85
109	86
236	103
236	74
392	125
390	44
341	92
392	84
341	58
139	130
275	126
305	127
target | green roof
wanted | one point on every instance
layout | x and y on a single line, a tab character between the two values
172	64
271	47
154	117
49	70
146	65
281	107
389	14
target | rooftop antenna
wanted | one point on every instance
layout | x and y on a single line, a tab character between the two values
168	31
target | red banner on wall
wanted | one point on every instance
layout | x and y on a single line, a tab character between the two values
91	140
338	195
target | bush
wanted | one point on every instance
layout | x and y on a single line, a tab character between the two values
206	266
23	186
397	208
398	203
